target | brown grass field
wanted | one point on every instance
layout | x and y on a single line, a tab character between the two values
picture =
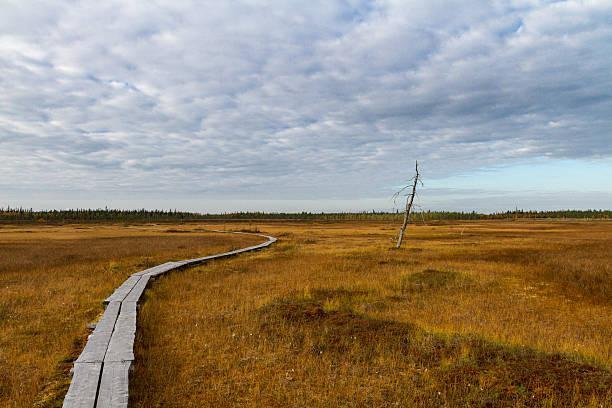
465	314
52	283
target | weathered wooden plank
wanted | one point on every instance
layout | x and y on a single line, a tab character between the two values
114	385
195	261
121	346
138	289
270	241
108	319
95	349
98	341
122	291
156	270
216	256
84	386
168	266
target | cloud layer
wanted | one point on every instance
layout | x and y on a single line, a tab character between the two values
277	99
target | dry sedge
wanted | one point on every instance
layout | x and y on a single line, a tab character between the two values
465	314
472	314
52	283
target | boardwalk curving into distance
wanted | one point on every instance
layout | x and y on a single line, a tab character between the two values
101	373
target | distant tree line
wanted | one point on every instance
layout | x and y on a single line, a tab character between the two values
93	215
9	214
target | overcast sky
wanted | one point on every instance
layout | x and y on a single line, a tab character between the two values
305	105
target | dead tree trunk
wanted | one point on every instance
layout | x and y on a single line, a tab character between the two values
409	203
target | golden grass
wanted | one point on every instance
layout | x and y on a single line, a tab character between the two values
466	314
52	283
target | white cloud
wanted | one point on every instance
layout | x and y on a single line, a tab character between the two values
315	99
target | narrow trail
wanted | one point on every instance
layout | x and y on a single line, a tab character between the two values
101	373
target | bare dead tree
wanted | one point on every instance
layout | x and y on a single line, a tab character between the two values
409	202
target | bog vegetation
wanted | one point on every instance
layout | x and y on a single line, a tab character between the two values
52	283
475	313
466	314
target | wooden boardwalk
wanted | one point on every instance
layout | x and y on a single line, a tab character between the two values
101	373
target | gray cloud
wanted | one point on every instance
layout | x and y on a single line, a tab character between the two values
318	99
